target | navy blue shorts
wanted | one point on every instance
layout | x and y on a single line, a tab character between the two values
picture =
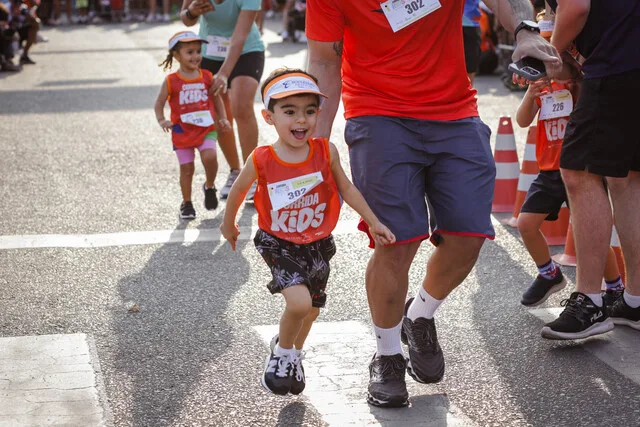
397	163
546	195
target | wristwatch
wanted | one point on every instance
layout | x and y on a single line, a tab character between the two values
527	25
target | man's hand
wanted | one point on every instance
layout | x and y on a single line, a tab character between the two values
533	45
230	233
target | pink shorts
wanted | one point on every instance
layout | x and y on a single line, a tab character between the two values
188	155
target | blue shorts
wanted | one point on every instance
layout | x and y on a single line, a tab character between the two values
397	163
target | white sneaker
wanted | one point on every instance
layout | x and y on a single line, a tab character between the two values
301	37
150	18
252	191
166	18
224	191
40	38
284	34
269	14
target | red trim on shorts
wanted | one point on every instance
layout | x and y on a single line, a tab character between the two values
364	227
461	233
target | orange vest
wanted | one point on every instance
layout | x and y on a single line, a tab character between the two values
310	216
189	96
550	135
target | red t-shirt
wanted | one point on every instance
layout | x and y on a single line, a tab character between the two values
550	135
417	72
189	96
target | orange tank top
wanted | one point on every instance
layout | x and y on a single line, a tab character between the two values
296	202
191	109
550	133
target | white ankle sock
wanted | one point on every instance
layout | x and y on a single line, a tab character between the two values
388	340
631	300
596	298
423	305
279	351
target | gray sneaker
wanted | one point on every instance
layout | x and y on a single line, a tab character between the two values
224	191
426	361
387	387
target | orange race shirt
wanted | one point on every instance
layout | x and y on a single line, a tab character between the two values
186	98
418	71
297	202
550	132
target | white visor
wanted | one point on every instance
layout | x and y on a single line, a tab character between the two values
291	84
184	36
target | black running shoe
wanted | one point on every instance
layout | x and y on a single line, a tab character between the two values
581	318
277	374
298	381
210	198
426	361
610	296
24	59
387	387
621	314
187	211
541	289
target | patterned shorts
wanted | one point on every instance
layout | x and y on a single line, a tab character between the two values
293	264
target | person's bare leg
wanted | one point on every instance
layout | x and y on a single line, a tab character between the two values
209	160
186	180
529	227
307	322
298	307
591	221
242	93
625	195
451	263
611	270
227	140
471	77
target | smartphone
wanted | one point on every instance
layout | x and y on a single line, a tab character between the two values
531	69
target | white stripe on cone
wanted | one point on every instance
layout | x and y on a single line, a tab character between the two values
525	181
507	170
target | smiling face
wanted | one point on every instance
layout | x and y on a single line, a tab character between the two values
295	119
189	55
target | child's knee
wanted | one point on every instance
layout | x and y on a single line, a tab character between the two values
298	301
313	314
187	169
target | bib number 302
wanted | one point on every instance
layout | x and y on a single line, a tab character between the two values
401	13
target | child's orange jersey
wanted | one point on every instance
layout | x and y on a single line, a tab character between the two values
553	117
191	109
296	202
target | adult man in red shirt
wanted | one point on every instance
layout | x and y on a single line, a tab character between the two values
413	131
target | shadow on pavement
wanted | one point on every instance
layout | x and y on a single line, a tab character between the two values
169	352
527	367
292	415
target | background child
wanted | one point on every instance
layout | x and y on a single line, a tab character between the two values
193	111
547	192
300	182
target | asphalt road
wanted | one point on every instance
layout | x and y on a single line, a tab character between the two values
81	155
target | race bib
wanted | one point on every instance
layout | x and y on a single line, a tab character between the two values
401	13
556	104
198	118
218	46
285	192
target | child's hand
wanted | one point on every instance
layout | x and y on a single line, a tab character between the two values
381	234
535	88
166	125
230	233
223	125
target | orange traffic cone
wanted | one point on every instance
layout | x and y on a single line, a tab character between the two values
528	173
617	249
507	168
555	232
567	258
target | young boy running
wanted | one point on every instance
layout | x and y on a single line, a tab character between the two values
300	184
547	192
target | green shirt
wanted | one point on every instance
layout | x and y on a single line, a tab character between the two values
222	21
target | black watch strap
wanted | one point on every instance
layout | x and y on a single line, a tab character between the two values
526	25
